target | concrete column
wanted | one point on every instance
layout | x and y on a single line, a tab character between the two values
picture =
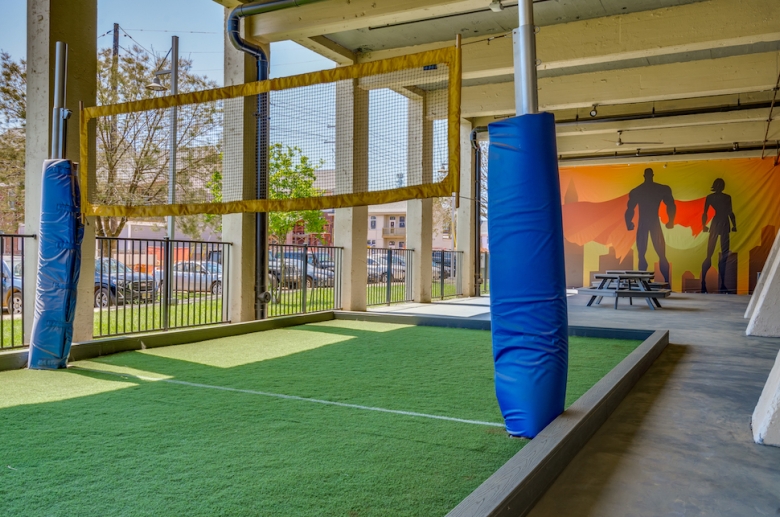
239	179
75	23
766	417
765	320
419	212
350	226
762	279
466	228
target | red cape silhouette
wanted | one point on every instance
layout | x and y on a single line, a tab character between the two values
605	223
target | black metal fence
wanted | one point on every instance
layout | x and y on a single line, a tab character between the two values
389	276
303	279
484	272
145	285
14	282
447	274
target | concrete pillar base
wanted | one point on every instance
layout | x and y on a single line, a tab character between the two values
766	417
350	232
765	320
419	228
762	280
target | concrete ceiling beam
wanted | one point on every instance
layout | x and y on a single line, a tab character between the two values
680	138
342	15
681	30
706	78
629	127
328	49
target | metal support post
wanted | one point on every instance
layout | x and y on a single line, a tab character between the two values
389	274
60	114
304	277
174	136
524	43
166	284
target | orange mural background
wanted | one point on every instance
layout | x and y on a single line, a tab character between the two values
595	199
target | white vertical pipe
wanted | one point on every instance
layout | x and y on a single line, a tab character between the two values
524	43
174	128
60	89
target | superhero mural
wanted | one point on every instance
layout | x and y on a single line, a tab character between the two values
678	219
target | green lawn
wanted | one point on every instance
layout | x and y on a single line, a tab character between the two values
86	443
202	310
11	331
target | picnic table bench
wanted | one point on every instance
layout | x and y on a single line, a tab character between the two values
634	284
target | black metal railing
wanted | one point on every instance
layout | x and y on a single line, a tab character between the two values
447	274
303	279
389	276
146	285
14	281
484	272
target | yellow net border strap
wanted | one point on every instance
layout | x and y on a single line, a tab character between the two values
451	56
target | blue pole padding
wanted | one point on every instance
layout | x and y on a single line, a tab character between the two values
528	291
59	262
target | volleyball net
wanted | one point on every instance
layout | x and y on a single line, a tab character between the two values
365	134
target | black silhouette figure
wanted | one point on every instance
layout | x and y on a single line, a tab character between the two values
722	224
648	197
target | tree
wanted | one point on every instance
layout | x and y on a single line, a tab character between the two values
132	149
292	176
13	114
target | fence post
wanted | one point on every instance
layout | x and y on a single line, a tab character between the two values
305	275
457	265
166	283
389	275
441	274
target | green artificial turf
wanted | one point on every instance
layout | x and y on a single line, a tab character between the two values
85	443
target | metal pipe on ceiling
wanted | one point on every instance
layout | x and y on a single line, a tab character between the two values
233	29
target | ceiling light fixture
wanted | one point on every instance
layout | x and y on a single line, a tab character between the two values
496	6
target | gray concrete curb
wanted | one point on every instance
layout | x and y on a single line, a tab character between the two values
514	489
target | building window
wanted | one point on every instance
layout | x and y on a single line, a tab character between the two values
372	243
391	244
401	245
447	229
402	222
372	222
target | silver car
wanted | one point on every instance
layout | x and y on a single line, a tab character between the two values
195	276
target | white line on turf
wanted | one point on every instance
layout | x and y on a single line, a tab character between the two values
294	397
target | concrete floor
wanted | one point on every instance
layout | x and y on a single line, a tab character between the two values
680	443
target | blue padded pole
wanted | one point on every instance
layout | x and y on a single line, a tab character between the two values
528	296
59	262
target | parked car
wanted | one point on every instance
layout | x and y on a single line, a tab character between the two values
442	264
397	270
12	300
196	276
377	266
293	273
316	258
215	256
117	284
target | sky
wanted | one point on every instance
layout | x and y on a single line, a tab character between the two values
151	23
200	27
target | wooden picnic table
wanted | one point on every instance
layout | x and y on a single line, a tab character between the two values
625	285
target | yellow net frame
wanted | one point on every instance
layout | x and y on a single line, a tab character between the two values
450	56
